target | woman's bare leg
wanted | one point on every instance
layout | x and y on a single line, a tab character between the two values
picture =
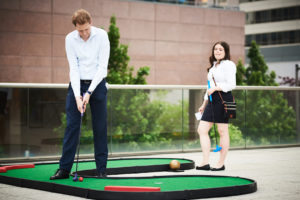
224	143
203	129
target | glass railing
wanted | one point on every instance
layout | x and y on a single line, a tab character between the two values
142	119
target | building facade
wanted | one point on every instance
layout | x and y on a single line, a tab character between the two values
174	40
275	26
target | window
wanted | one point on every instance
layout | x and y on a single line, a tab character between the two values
273	15
286	37
246	1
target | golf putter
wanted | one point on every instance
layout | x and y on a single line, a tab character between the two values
78	146
218	148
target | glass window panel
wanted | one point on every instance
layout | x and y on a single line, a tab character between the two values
264	39
275	111
248	40
32	121
285	37
264	16
292	37
279	38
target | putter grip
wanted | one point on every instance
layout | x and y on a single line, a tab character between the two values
83	106
208	83
82	111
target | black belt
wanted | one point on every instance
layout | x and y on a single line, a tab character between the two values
86	81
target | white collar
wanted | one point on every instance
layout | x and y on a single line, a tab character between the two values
215	62
93	33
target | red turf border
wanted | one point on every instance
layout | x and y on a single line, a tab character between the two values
131	189
10	167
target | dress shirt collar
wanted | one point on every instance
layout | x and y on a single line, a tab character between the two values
215	62
93	33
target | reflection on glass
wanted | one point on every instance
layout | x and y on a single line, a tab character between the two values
32	120
270	117
146	120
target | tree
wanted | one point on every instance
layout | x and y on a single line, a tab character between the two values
256	73
269	118
138	123
119	72
240	73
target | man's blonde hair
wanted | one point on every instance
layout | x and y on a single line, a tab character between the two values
81	17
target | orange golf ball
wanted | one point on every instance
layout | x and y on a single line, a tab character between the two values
80	179
175	165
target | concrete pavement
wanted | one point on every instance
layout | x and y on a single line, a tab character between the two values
277	172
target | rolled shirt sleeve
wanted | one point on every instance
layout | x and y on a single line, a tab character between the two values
73	64
225	76
88	60
205	96
230	77
103	62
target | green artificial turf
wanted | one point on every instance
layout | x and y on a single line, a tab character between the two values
44	171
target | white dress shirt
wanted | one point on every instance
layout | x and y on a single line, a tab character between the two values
224	74
88	60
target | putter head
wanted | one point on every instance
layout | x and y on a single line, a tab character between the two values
75	177
218	148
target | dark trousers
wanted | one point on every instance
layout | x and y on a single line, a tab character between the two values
99	112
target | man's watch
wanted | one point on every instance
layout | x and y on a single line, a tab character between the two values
89	92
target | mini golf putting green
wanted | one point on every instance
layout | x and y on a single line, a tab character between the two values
171	187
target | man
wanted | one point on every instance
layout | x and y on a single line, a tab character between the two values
87	50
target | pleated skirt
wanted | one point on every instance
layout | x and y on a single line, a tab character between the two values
214	110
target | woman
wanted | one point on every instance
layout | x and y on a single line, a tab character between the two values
223	71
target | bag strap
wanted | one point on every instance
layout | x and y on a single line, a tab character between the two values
219	91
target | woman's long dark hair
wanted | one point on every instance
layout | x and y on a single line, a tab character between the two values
212	58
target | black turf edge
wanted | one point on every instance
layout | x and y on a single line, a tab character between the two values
11	180
100	194
173	195
135	169
70	190
110	195
168	195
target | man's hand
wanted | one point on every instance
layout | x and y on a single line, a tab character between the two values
79	103
86	99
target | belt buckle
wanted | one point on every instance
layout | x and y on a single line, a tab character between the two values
86	81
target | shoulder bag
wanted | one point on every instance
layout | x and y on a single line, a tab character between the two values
229	107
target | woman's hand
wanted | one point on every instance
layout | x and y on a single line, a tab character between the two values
210	91
202	107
